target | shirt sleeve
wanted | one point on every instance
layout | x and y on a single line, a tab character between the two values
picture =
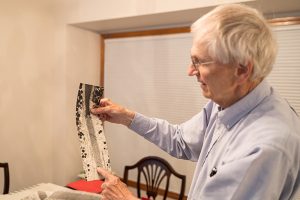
182	141
261	174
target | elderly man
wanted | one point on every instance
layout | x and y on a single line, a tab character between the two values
246	139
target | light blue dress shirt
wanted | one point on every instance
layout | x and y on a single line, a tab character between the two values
250	150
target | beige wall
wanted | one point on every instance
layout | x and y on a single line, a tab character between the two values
42	61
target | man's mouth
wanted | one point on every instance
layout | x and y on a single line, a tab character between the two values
201	82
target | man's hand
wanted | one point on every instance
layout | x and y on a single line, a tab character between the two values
113	188
109	111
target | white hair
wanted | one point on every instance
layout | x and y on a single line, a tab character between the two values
236	33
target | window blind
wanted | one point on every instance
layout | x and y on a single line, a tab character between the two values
285	74
149	75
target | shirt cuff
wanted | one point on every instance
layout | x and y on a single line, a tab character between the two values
140	124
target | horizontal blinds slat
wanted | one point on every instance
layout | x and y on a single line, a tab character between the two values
285	74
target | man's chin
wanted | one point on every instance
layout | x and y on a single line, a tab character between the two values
206	94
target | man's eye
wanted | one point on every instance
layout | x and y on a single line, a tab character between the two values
198	61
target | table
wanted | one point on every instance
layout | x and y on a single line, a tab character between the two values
49	191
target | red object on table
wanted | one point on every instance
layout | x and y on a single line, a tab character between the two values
87	186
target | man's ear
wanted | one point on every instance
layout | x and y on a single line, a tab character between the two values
244	72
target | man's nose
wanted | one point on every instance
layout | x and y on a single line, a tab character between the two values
192	71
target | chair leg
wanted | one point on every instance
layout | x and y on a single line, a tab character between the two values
6	177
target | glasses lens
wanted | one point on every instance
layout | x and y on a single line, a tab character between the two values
194	63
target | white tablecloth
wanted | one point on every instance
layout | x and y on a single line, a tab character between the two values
50	190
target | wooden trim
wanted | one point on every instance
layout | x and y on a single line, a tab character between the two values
102	54
147	32
171	195
186	29
284	21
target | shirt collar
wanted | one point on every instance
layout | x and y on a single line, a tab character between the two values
231	115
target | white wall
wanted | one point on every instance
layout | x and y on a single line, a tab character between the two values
91	10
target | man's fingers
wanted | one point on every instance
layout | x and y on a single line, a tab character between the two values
105	102
96	111
100	110
106	174
103	185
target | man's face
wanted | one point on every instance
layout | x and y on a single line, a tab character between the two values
217	81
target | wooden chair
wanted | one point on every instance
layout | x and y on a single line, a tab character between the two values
6	177
154	170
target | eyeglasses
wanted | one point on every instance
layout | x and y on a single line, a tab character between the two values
196	63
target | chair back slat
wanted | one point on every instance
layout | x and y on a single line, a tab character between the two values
154	170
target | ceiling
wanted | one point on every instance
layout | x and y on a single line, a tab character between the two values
270	8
